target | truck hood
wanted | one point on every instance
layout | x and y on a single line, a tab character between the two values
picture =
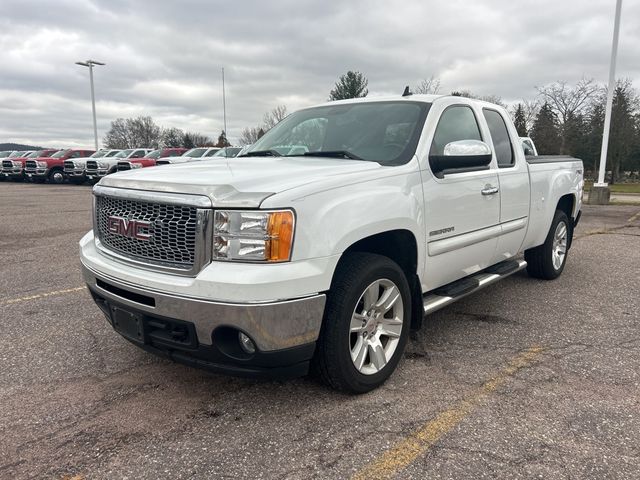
238	182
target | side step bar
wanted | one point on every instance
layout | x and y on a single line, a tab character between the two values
448	294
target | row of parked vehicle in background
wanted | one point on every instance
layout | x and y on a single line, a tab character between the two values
80	165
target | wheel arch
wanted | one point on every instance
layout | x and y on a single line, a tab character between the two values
401	246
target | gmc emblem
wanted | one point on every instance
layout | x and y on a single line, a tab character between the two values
138	229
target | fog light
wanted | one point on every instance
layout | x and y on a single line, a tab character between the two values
246	343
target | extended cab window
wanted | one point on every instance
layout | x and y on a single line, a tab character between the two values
456	123
500	137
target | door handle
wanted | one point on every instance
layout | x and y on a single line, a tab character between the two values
489	190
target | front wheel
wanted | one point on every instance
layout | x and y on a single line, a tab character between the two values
366	323
548	260
57	177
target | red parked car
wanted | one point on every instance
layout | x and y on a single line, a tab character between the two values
52	167
13	167
150	160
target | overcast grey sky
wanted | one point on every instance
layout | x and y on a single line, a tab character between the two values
164	58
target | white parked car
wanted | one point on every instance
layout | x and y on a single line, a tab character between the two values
193	155
260	266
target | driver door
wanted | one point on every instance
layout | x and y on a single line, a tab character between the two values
462	208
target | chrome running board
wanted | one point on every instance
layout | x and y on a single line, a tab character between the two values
438	298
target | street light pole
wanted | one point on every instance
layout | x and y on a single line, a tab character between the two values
90	64
612	84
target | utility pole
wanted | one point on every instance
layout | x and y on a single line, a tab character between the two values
90	64
600	193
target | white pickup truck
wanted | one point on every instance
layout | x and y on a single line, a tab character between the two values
270	264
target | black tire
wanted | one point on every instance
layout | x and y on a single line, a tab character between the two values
56	177
540	259
332	360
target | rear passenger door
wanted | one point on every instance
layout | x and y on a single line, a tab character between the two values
461	216
513	178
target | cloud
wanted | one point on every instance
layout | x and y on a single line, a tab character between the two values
164	59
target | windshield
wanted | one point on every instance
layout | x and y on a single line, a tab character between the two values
60	154
36	154
99	154
17	154
383	132
124	153
112	153
155	154
194	152
5	154
212	152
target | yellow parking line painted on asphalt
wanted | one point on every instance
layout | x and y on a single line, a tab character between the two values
41	295
404	453
633	218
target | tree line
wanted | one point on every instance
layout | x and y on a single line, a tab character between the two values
563	119
144	132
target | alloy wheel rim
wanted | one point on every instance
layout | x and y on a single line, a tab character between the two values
559	248
57	177
376	326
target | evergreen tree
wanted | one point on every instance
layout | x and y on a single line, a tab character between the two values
222	140
520	121
350	85
545	132
621	136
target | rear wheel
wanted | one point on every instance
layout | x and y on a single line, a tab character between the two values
366	324
548	260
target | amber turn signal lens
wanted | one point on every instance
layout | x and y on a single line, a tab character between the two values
280	232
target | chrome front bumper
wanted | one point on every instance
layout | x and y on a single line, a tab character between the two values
272	326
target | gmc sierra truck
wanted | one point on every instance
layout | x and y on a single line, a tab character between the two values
390	209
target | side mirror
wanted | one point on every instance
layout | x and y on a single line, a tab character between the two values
461	156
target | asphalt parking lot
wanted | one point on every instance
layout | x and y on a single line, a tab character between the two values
525	379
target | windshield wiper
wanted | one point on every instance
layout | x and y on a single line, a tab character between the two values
334	153
262	153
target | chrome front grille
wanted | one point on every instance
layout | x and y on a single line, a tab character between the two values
31	165
69	166
92	165
163	162
124	166
174	235
7	165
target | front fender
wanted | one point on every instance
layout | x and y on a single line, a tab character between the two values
328	222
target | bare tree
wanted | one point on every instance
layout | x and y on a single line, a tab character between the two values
143	132
429	85
531	109
118	135
567	101
172	137
270	119
250	135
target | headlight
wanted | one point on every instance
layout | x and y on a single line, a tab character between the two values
101	164
135	165
41	164
17	163
253	236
